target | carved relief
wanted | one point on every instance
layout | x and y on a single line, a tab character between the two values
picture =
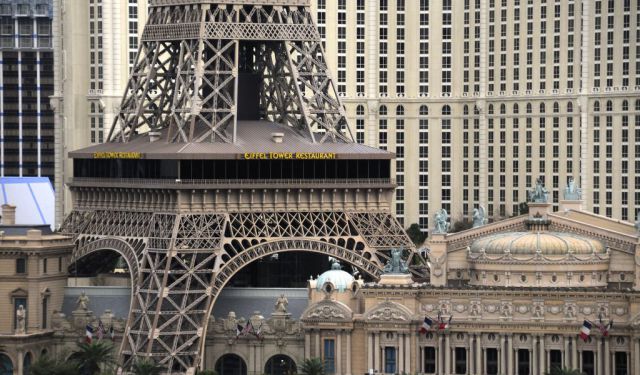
570	310
506	310
327	310
538	310
389	311
475	310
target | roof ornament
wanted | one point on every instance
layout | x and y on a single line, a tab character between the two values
572	192
479	217
539	194
442	223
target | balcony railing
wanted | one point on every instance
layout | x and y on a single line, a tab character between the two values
87	181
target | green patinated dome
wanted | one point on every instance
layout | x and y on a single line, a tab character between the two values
340	279
530	243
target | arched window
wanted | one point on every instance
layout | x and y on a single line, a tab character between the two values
490	109
424	110
625	105
609	106
465	110
446	110
638	105
6	366
570	107
280	365
516	109
383	110
476	110
543	108
360	110
596	106
231	364
556	107
503	109
529	108
399	110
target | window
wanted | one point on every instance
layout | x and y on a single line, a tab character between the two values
492	361
523	362
429	360
330	356
44	265
21	265
588	362
621	367
390	360
555	359
461	361
45	302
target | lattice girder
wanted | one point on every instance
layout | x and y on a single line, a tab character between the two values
189	258
186	76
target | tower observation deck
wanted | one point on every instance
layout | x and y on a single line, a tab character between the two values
231	145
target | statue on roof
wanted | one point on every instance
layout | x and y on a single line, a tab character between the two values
396	264
572	192
539	194
82	303
479	218
281	304
442	223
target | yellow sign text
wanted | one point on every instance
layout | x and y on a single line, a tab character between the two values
117	155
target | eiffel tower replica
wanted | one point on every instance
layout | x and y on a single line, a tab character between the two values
231	145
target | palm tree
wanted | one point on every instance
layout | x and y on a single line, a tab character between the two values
312	366
91	357
46	365
564	371
146	367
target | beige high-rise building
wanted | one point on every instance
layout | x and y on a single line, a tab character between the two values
479	98
95	45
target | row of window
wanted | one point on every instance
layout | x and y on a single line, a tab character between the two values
21	265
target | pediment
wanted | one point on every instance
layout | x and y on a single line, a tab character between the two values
329	310
19	292
388	311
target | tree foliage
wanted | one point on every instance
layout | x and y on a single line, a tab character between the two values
312	366
46	365
92	357
416	235
146	367
461	225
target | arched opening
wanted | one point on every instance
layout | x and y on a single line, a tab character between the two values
6	366
281	270
103	274
26	363
231	364
280	364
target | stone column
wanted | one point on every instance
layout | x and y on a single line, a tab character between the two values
20	360
598	359
447	355
370	351
420	367
565	354
400	353
543	357
318	353
307	345
574	353
348	370
376	352
510	355
407	354
532	355
338	352
502	355
252	361
607	357
439	364
479	349
471	362
636	355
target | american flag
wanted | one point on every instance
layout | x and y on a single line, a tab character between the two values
100	330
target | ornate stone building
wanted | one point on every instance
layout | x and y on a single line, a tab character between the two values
517	292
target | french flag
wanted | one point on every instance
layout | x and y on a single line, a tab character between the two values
585	330
426	325
89	331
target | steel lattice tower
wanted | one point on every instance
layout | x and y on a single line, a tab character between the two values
173	190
